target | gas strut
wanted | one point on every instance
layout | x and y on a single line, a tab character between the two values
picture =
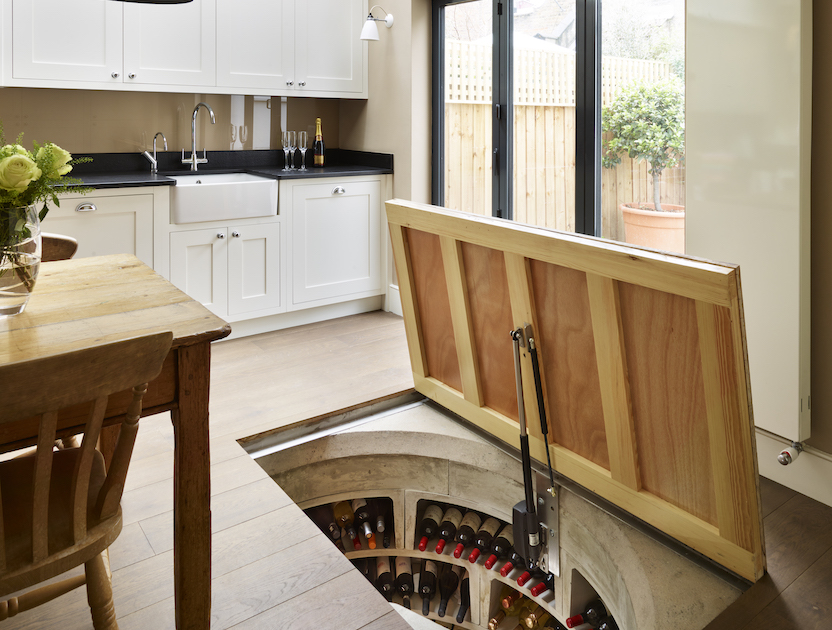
525	523
541	405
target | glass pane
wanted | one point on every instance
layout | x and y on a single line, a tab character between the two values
468	120
643	113
544	113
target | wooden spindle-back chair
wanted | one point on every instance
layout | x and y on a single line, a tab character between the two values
61	508
57	247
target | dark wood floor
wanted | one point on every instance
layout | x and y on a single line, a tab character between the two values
797	591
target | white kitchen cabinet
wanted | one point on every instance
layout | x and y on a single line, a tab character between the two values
255	43
110	44
107	222
233	270
292	47
336	240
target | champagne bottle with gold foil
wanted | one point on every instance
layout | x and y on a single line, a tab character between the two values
318	146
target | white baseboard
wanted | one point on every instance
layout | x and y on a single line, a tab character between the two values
307	316
394	301
809	474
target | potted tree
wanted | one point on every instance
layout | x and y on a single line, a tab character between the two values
647	122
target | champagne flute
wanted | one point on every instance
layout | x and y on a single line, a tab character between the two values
286	145
293	144
303	145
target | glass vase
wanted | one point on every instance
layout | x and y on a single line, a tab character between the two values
20	252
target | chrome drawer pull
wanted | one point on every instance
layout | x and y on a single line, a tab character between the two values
85	207
338	190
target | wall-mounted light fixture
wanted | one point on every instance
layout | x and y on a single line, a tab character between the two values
370	30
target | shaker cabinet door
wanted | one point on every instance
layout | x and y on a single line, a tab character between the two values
67	41
170	44
198	266
336	242
255	270
329	54
255	43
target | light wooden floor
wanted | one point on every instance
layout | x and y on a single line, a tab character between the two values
275	379
262	577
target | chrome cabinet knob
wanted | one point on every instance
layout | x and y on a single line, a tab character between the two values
235	234
290	82
302	83
132	75
114	75
220	235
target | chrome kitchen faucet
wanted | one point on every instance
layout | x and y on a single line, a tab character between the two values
152	158
194	160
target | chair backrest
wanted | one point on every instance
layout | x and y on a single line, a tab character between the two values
57	247
42	387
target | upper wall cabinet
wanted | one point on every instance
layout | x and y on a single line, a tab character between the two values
268	47
106	42
292	47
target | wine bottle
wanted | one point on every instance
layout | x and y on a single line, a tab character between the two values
404	579
547	584
322	517
447	527
428	525
484	537
345	517
362	519
384	577
318	146
387	535
527	576
592	614
466	531
509	598
427	584
362	564
607	623
378	508
448	583
514	560
464	599
497	619
501	546
553	624
532	615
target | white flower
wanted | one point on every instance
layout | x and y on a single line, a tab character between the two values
17	172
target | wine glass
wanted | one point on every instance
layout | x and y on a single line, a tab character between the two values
303	145
233	135
286	146
293	144
243	134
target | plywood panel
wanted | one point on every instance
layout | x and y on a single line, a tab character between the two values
485	276
433	307
567	350
667	391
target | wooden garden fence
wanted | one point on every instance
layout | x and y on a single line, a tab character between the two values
544	138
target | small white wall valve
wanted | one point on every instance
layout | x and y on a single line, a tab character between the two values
789	454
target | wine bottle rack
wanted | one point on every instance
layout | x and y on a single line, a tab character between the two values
408	507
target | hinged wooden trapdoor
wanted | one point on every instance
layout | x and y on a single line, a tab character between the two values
643	364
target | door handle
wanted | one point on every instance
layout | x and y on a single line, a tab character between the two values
338	190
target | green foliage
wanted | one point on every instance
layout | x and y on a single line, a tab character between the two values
646	122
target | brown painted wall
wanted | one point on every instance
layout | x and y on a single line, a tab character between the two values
87	121
821	229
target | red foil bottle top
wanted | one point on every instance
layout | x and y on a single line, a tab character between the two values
423	544
507	567
459	549
475	554
537	589
440	546
356	542
490	562
521	581
574	621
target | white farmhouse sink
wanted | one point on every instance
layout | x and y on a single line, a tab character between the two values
222	197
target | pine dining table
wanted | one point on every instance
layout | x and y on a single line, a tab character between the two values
87	301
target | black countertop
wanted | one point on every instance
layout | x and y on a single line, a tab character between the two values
124	170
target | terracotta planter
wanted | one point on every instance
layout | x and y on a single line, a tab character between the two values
664	231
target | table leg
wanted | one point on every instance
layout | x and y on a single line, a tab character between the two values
192	490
